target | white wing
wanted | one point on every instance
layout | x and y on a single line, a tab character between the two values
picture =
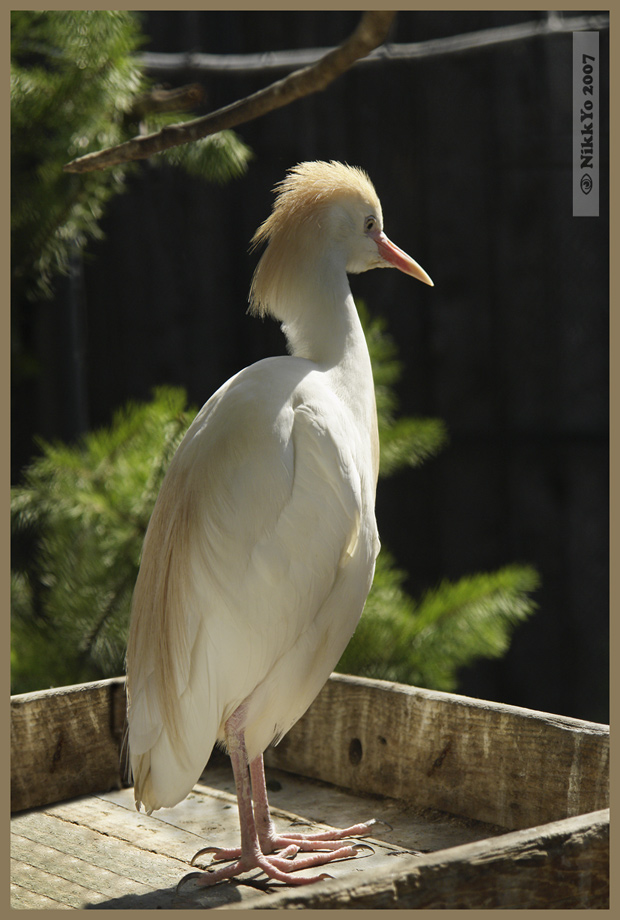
255	570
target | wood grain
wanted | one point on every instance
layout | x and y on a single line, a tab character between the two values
66	742
436	766
564	865
499	764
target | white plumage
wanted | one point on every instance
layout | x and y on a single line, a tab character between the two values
261	548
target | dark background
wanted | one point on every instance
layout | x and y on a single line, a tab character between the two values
471	156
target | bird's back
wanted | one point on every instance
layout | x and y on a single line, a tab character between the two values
255	570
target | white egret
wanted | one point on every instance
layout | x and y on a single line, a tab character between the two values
261	548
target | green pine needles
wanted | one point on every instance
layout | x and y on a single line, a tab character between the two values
76	86
426	642
79	521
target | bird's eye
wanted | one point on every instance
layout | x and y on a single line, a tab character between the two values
370	223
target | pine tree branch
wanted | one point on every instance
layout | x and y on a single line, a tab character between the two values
371	32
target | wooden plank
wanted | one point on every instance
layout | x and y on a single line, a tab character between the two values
499	764
100	882
107	833
100	853
99	850
72	849
422	830
66	742
153	834
24	899
39	881
210	816
124	862
564	865
433	755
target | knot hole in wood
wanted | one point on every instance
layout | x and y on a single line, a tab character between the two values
355	751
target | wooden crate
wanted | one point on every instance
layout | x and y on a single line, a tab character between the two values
485	805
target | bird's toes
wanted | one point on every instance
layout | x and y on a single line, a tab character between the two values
219	854
329	839
278	868
289	852
306	844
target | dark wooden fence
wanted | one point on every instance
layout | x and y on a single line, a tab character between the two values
471	156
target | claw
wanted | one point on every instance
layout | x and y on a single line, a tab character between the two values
186	878
202	853
364	846
380	821
220	854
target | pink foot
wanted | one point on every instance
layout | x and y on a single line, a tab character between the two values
278	868
325	839
290	843
259	838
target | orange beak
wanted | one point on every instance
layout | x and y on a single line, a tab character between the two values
399	259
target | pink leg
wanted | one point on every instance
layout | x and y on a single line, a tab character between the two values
250	855
269	838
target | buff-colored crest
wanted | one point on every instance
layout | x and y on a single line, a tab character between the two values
301	196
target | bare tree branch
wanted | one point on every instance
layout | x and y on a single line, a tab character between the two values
163	64
371	32
167	100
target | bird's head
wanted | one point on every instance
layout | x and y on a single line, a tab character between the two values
324	210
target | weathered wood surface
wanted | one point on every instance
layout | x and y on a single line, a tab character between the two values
66	742
500	764
99	852
564	865
448	775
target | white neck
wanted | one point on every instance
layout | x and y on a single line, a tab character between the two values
321	324
318	315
